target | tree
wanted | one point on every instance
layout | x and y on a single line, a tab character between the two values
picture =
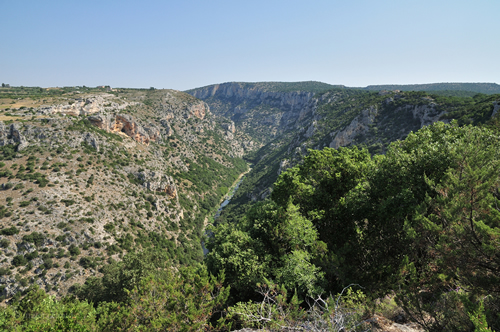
454	233
39	312
125	275
327	189
465	215
274	242
182	301
233	251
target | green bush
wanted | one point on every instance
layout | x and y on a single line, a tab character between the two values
24	203
48	263
19	260
7	185
87	262
10	231
35	238
4	243
109	227
18	186
31	255
39	312
74	250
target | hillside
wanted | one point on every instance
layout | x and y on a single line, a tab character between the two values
87	176
336	118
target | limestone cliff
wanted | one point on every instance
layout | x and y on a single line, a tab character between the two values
261	110
125	123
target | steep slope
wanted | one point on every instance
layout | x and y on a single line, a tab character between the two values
261	110
90	176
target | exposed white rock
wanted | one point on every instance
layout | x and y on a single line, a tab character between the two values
358	126
427	114
496	107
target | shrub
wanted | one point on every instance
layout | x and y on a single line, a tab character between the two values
67	202
109	227
87	262
60	238
19	260
48	263
10	231
18	186
277	312
35	238
24	203
74	250
4	271
31	255
7	185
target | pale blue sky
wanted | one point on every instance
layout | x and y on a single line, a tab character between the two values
192	43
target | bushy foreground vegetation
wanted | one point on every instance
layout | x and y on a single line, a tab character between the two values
421	221
418	225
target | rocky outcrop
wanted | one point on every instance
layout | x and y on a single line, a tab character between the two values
229	127
427	114
496	108
127	124
86	106
198	110
91	140
284	165
12	135
358	126
157	181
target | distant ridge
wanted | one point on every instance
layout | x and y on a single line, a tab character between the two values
486	88
458	89
307	86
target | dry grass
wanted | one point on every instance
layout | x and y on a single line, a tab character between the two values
8	118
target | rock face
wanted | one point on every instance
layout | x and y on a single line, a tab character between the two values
127	124
358	126
157	181
496	108
427	114
243	94
12	135
198	110
253	108
86	106
420	116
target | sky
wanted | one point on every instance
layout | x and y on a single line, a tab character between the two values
186	44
